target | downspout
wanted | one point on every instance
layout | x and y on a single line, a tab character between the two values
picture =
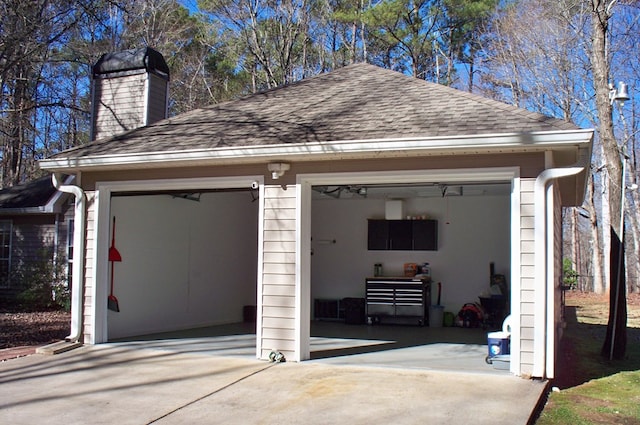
78	253
542	266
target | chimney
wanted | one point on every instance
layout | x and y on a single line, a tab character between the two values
129	90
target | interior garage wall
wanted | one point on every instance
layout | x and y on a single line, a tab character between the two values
184	263
472	233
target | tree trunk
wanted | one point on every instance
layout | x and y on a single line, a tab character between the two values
615	342
600	65
597	282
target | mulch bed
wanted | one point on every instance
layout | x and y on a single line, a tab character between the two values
21	333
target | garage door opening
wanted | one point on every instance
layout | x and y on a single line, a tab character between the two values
473	222
189	263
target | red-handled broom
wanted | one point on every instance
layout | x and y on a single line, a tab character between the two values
114	255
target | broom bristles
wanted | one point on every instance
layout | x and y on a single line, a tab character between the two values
112	304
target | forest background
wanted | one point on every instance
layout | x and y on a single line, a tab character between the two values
557	57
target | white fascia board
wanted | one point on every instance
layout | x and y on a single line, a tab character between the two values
24	211
372	148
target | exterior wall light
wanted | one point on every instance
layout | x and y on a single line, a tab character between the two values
278	169
618	94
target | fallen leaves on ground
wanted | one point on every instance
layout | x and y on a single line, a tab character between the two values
33	328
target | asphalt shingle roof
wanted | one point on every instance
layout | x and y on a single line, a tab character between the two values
36	193
357	102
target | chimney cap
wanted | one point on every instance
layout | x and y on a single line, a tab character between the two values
125	61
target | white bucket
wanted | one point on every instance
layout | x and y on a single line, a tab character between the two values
436	313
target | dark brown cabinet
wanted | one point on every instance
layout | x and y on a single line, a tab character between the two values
403	235
425	235
378	235
400	235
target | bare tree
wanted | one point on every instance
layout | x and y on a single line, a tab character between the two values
30	35
275	35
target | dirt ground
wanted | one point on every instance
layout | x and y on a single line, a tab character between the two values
591	309
594	308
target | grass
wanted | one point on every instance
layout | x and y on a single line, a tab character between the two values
592	389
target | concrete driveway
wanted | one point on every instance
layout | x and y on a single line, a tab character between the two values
120	384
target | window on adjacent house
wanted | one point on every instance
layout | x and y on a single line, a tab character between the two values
70	226
5	253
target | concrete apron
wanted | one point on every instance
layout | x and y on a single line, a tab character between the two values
108	384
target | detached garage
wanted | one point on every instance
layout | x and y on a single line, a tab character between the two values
266	201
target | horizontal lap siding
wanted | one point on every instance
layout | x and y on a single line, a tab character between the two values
32	245
121	96
279	272
89	277
527	274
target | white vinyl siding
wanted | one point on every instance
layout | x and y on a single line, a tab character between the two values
278	324
120	106
527	274
88	330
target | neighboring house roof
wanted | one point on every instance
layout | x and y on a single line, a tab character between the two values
34	197
357	103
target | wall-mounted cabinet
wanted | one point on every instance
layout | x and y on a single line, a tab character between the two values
403	235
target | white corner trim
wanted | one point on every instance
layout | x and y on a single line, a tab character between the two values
303	270
516	276
260	277
103	192
511	174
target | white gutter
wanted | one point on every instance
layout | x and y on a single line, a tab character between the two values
78	254
543	324
366	148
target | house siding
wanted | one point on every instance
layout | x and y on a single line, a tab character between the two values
32	241
278	292
530	166
88	330
527	273
121	105
35	238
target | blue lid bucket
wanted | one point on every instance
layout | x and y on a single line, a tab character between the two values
498	343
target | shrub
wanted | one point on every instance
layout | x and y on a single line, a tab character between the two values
43	284
569	275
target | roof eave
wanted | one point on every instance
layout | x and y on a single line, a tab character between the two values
360	149
28	211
